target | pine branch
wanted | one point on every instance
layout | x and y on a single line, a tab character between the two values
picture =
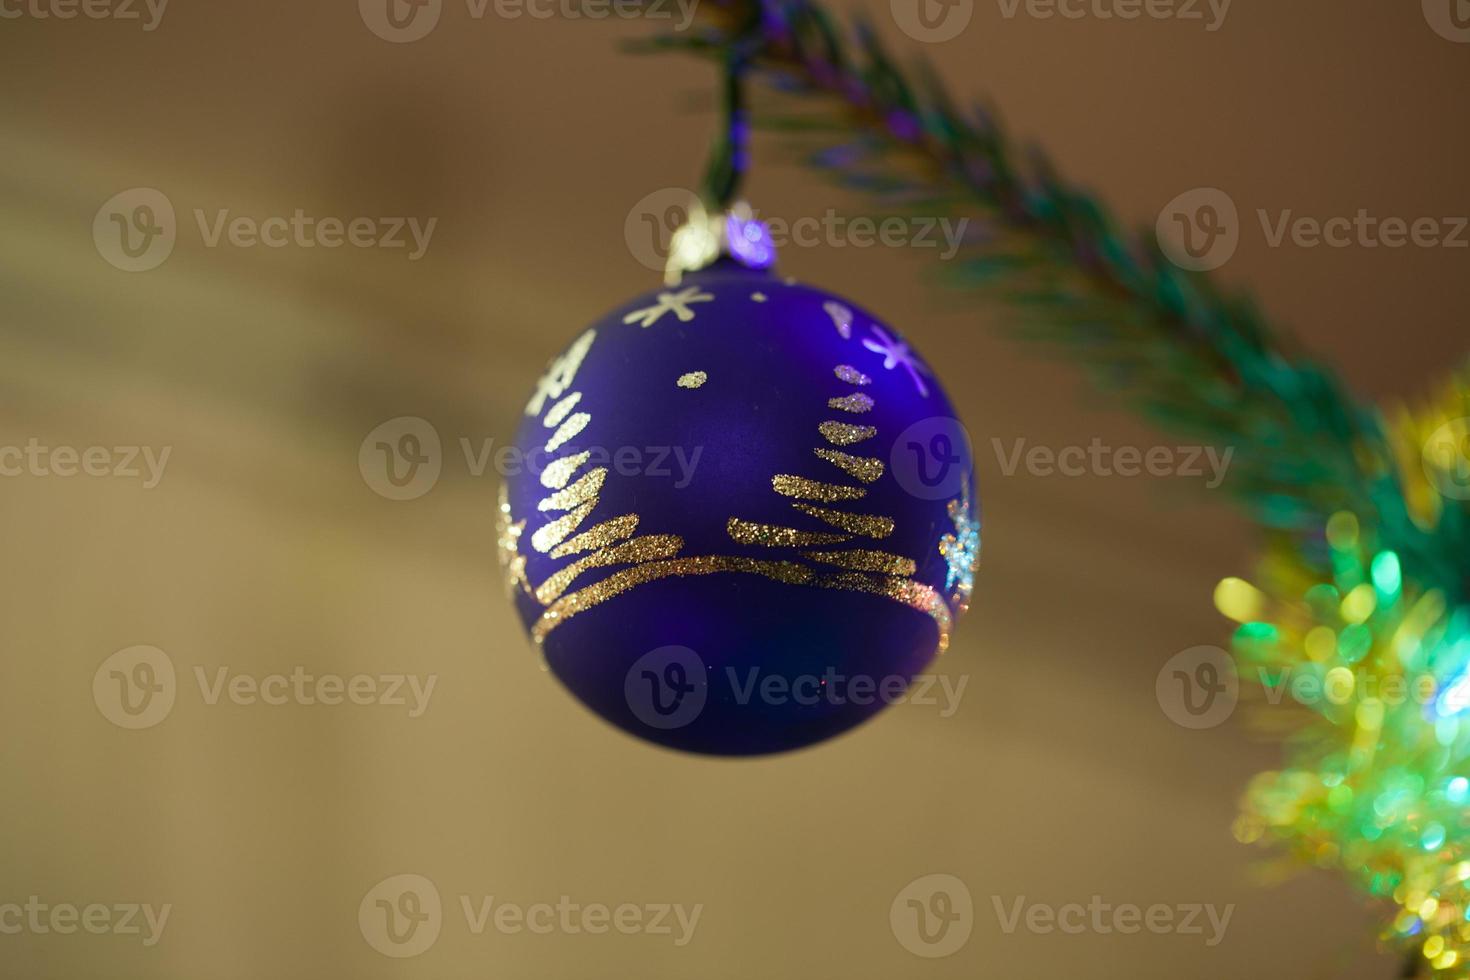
1379	793
1168	341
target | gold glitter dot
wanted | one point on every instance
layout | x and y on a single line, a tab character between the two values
776	536
855	403
693	379
758	297
852	375
865	468
845	434
796	486
871	525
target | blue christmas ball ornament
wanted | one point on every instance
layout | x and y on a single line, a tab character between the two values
747	515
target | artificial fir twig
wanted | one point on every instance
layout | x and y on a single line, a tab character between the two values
1366	579
1188	355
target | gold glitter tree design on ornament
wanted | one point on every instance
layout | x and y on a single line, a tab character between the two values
610	542
655	556
865	569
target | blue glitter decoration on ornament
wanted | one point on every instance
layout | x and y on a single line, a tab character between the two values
747	518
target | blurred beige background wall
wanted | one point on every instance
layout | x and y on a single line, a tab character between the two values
261	550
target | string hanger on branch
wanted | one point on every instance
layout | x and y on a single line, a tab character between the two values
724	227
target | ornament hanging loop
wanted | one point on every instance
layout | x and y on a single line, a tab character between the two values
722	226
731	153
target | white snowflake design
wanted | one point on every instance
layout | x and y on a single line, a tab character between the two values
896	352
675	303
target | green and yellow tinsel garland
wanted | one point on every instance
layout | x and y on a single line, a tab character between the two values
1378	776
